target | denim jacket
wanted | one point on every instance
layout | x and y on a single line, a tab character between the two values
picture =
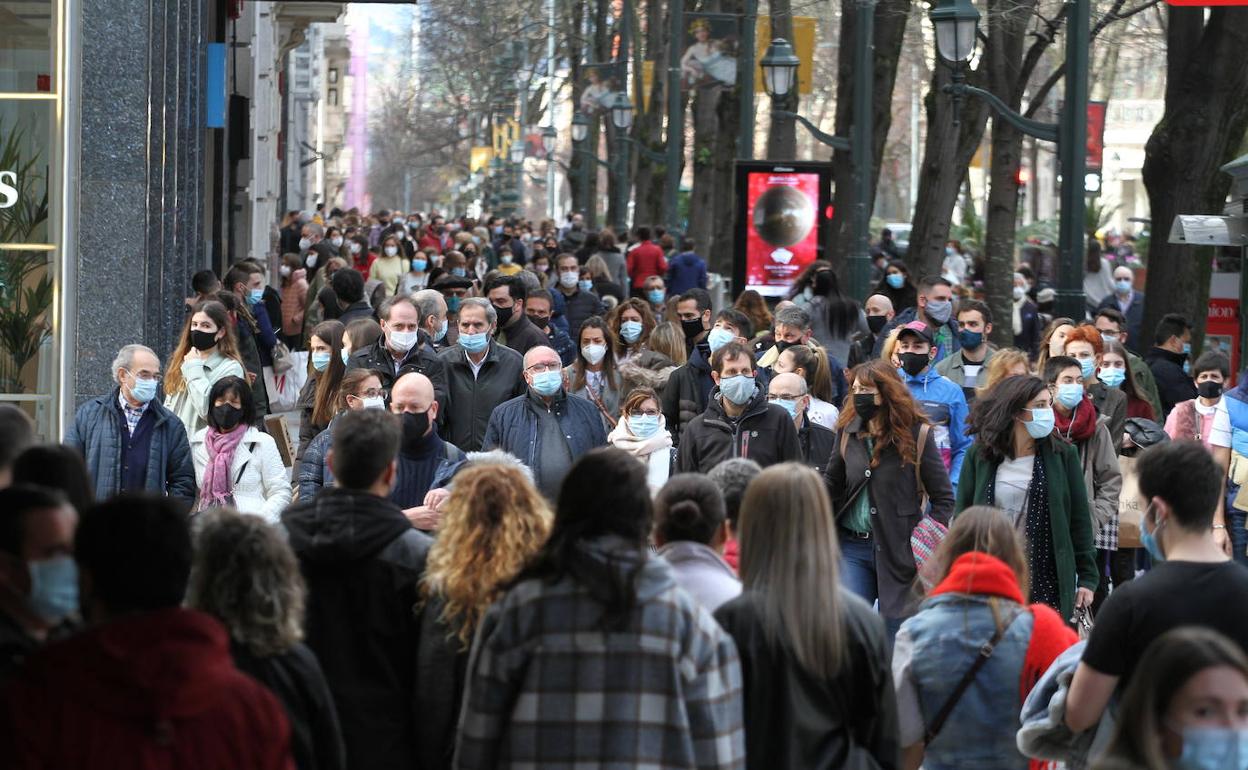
934	650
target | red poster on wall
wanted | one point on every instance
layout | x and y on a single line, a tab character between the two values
782	236
1096	135
1222	329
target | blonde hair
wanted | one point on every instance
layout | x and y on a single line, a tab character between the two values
789	556
998	367
668	339
495	521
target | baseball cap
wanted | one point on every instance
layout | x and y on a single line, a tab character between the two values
918	329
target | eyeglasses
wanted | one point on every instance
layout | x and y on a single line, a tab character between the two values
543	368
782	396
645	413
373	393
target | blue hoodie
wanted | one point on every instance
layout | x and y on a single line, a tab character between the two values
945	406
1236	400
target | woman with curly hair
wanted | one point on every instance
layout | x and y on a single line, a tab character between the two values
882	465
1007	362
494	521
246	576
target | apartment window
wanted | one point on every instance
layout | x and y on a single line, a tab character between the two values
332	96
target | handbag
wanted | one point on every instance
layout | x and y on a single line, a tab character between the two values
985	652
928	534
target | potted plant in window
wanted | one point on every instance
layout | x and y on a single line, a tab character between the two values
25	285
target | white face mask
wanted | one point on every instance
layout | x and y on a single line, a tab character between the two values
594	353
403	341
355	247
284	270
337	241
310	261
376	402
391	251
305	244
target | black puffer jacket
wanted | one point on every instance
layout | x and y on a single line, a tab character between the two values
684	397
1174	386
422	358
763	433
473	399
363	563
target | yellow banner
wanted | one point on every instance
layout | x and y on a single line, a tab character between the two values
503	134
480	159
647	84
804	28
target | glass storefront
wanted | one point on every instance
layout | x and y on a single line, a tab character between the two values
32	36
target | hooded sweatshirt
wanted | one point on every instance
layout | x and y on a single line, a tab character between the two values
149	690
944	405
363	563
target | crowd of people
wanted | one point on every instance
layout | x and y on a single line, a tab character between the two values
548	505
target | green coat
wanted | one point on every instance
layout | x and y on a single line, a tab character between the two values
1069	515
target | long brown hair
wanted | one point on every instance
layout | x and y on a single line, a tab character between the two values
226	346
896	418
1043	356
323	402
608	360
495	521
751	303
1128	382
984	530
1166	665
614	320
789	563
992	416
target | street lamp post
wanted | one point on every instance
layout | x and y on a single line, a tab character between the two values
622	119
956	22
780	78
549	139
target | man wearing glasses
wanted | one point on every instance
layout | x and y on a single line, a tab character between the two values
129	440
546	428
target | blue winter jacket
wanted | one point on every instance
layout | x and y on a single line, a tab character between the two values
1237	409
513	427
944	405
684	272
96	433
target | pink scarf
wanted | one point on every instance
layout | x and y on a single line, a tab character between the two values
217	487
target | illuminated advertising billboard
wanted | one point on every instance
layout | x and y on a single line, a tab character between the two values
782	211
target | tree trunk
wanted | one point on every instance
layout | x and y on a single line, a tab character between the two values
1004	61
890	32
947	151
578	175
649	131
782	132
1203	125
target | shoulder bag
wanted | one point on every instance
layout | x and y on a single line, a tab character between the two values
985	652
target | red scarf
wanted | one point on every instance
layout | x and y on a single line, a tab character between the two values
1081	423
981	574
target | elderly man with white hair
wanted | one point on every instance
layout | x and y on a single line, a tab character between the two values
129	440
546	427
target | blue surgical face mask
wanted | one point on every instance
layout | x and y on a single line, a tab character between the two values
1087	367
419	265
320	361
441	335
255	296
656	296
452	303
1070	394
1112	377
940	310
1123	285
1187	348
1213	748
789	405
969	339
643	426
548	383
719	337
1041	422
630	331
1148	538
896	280
459	272
53	588
143	391
474	343
586	285
738	389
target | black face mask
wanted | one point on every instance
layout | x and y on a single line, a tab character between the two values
202	340
782	346
1210	389
692	328
226	416
913	363
504	314
876	322
865	406
414	428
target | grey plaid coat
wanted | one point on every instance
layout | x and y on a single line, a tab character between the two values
548	688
